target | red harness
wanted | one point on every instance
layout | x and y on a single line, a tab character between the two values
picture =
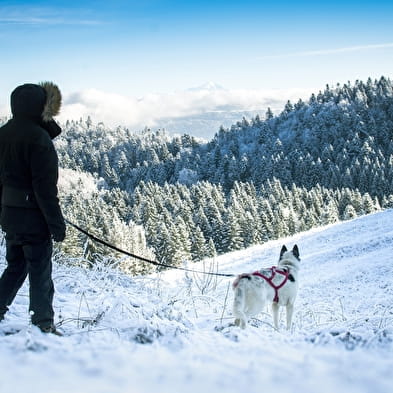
269	280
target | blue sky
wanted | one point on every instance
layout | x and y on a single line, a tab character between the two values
138	48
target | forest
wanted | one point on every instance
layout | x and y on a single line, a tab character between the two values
179	198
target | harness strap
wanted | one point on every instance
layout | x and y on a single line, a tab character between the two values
274	270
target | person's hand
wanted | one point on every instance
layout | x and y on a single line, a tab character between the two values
59	237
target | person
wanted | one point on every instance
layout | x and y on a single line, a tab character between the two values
30	214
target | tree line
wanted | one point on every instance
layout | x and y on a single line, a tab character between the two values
314	163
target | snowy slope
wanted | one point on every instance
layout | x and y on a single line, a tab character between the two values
170	333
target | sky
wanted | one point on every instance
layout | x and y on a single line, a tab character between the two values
133	62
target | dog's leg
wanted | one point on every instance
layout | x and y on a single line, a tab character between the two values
238	309
275	309
289	315
241	320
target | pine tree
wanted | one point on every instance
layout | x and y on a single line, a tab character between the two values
269	114
210	250
349	213
198	245
232	230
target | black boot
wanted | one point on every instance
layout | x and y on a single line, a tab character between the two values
51	329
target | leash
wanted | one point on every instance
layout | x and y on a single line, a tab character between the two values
106	244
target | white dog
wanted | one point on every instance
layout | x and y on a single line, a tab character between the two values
276	285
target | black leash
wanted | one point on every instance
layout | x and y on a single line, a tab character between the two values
104	243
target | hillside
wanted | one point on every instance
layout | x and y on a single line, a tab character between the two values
169	332
178	198
341	137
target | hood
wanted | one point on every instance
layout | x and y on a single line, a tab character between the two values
28	100
53	101
38	101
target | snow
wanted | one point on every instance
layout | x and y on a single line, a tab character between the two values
170	332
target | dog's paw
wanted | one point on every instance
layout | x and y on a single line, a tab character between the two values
221	328
227	331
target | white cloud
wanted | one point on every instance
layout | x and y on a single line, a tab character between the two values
21	20
114	109
5	111
34	15
334	51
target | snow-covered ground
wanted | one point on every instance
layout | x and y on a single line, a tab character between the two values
171	333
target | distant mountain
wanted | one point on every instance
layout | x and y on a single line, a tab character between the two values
205	125
227	110
210	86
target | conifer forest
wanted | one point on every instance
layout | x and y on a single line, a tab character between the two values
179	198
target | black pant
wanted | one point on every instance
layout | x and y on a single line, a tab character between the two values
29	255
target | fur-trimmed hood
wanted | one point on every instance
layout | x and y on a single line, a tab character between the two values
53	100
38	101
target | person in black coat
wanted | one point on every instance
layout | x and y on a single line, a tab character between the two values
30	213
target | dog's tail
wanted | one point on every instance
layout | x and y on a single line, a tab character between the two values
239	277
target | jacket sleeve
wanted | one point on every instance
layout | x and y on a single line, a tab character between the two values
44	175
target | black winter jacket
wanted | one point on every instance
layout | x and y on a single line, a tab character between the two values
29	168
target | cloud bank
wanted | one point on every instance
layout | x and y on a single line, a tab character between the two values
151	109
35	15
324	52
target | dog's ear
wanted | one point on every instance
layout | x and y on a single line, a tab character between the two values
283	249
295	251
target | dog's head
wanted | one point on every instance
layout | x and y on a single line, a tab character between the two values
289	258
